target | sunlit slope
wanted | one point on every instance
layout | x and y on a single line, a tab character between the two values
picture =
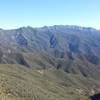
21	83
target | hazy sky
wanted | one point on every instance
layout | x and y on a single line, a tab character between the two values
36	13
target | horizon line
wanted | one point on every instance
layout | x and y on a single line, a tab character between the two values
17	27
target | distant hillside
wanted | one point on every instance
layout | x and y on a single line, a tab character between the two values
72	48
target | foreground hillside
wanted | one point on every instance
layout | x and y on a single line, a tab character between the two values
20	83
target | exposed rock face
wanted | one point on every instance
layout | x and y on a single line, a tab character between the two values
20	39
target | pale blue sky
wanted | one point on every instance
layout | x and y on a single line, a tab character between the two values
37	13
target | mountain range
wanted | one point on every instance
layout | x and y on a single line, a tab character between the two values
58	62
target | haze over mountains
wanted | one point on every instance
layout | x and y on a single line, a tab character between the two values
67	56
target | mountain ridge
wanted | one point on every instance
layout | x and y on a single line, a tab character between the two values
69	26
